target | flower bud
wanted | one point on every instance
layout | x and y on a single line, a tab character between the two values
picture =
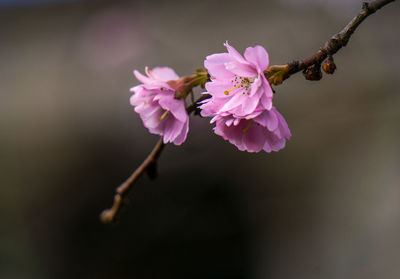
313	72
329	66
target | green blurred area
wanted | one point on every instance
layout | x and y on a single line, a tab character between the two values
327	206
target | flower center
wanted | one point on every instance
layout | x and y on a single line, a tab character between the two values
240	82
226	92
163	116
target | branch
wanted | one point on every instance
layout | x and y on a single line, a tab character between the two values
275	74
311	65
109	215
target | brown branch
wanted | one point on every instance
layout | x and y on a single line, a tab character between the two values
336	42
109	215
275	75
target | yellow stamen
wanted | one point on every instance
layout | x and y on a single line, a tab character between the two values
248	126
163	116
226	92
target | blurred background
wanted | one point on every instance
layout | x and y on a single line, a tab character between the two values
327	206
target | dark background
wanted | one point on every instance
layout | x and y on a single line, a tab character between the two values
327	206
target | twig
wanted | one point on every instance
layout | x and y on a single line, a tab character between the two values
336	42
332	46
108	215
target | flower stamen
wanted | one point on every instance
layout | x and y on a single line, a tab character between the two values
163	116
226	92
248	126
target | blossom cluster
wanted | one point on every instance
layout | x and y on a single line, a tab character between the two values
240	104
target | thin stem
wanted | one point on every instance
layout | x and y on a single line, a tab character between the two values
336	42
281	73
109	215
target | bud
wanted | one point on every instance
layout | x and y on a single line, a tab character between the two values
329	66
313	72
277	74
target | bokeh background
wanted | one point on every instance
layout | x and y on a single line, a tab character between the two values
327	206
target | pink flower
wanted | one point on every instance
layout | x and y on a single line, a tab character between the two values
238	86
241	101
162	114
268	131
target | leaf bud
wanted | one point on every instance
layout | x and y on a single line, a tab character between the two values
329	66
313	72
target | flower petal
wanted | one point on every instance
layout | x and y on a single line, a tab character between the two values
268	119
266	102
234	102
164	74
182	136
142	78
235	54
255	87
274	142
217	88
258	56
172	129
283	126
240	69
175	106
215	65
266	86
254	138
249	104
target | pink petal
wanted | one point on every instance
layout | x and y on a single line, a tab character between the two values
207	109
235	54
215	118
266	102
235	101
136	88
275	143
258	56
254	138
233	134
164	74
272	120
147	109
240	69
212	107
229	122
268	119
175	106
142	78
266	86
217	88
152	121
255	86
172	129
283	126
267	147
150	116
182	136
215	64
254	114
249	104
136	99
